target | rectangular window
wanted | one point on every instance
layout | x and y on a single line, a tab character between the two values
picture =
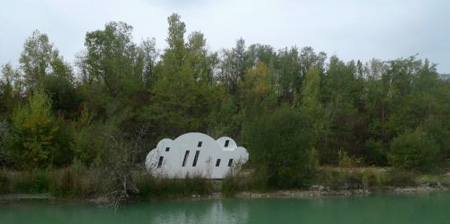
186	155
227	142
197	153
199	144
160	161
230	162
217	162
167	149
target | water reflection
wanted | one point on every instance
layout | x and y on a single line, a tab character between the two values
384	209
219	211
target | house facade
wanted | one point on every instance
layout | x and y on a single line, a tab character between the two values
196	154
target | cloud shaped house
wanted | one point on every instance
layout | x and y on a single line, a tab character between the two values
196	154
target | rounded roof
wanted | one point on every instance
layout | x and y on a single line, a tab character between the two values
183	136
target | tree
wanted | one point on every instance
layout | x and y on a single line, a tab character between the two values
257	91
184	96
10	90
36	140
233	66
313	108
288	73
110	59
147	61
340	93
45	70
40	59
280	145
414	150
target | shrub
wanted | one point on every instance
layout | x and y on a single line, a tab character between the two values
375	152
36	140
280	147
414	150
243	181
367	178
401	178
5	159
30	182
4	182
347	161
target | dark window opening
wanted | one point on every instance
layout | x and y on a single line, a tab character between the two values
199	144
160	161
186	155
196	158
167	149
230	162
227	142
217	162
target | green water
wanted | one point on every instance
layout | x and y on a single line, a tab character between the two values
384	209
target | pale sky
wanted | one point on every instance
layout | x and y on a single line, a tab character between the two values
350	29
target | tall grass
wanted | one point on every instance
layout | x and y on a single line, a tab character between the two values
151	187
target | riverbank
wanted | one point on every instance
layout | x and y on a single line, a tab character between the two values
68	184
282	194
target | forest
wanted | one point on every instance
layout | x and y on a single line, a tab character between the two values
293	108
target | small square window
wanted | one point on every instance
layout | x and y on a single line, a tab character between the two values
167	149
227	142
199	144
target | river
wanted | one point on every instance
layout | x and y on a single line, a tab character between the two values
425	208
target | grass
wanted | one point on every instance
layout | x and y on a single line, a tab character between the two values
368	178
79	182
151	187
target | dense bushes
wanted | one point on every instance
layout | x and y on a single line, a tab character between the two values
4	152
4	182
36	139
414	150
280	148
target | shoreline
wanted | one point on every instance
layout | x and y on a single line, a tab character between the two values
277	194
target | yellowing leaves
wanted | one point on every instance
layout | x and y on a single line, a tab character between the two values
257	81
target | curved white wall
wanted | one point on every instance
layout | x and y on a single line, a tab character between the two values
177	158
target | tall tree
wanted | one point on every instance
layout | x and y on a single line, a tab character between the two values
233	66
184	95
36	140
110	58
288	73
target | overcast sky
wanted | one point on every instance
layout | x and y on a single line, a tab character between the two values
350	29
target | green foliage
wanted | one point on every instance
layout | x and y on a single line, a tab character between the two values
87	143
349	179
245	180
375	152
4	152
36	139
4	182
280	145
184	98
40	59
414	150
64	96
30	182
347	161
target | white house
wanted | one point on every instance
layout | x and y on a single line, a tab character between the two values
196	154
